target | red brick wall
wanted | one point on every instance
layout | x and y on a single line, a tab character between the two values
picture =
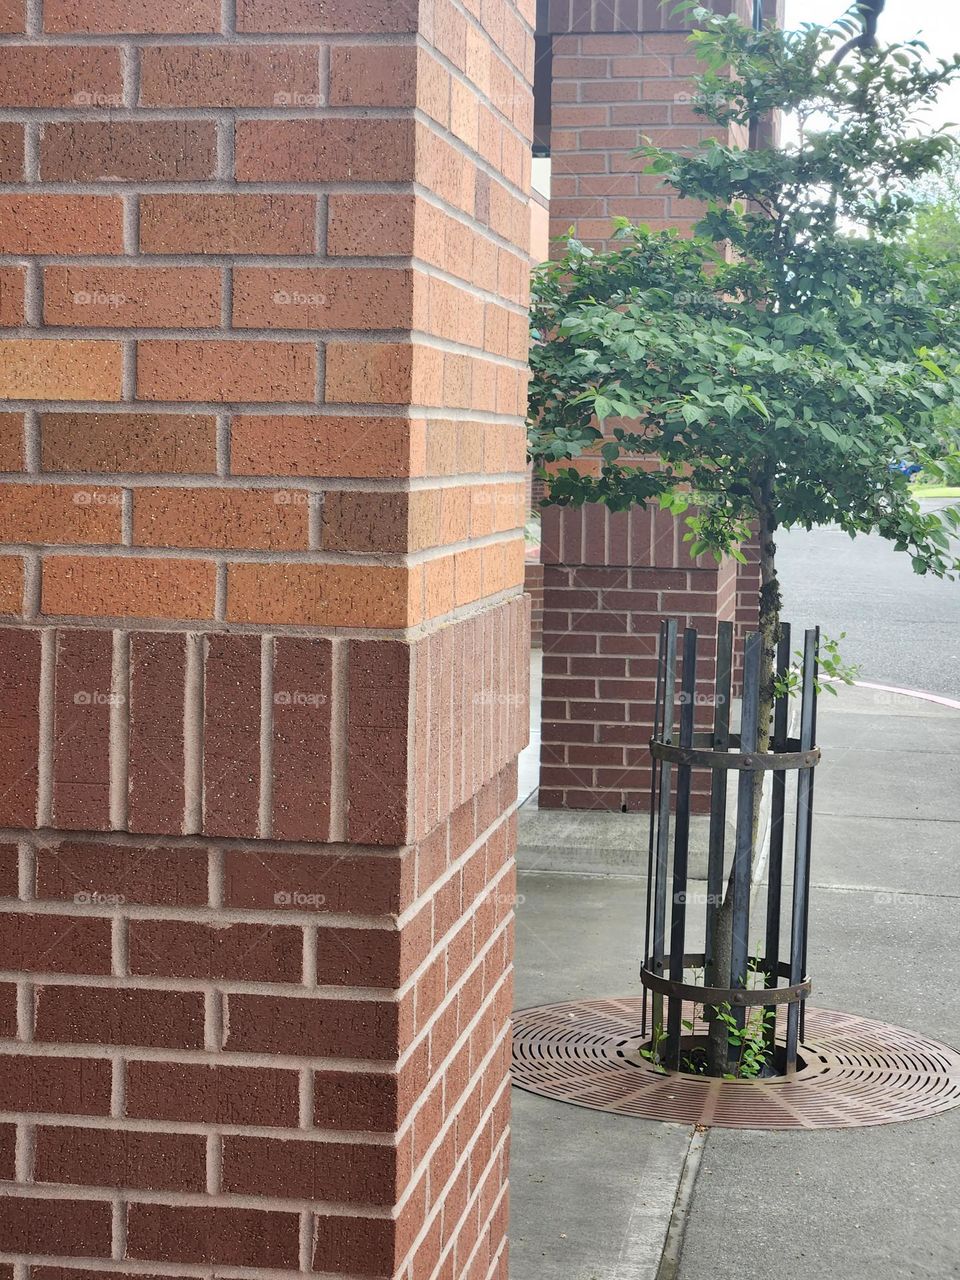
603	605
622	75
263	652
610	93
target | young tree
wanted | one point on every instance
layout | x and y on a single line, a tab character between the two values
776	366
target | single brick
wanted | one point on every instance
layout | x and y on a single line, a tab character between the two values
131	151
64	1273
376	75
19	726
222	224
60	76
9	872
227	1237
367	1101
12	284
358	17
259	880
71	1228
344	1172
108	874
12	141
378	373
365	1246
8	1156
155	771
302	682
325	150
264	519
110	1015
83	700
122	586
258	76
122	17
11	442
53	369
379	683
60	1086
341	298
315	1027
231	753
234	372
100	1158
53	513
13	17
384	225
11	584
126	297
8	1010
241	952
38	224
370	957
131	442
55	944
325	446
371	522
323	595
197	1094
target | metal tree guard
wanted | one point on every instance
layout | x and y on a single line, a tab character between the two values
679	750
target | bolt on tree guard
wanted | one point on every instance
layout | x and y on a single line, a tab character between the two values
677	751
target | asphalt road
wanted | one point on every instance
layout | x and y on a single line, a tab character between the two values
902	629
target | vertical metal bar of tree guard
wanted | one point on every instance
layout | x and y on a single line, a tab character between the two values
781	725
663	818
801	866
746	802
652	834
813	737
718	796
681	848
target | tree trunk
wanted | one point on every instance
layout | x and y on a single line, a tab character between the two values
718	965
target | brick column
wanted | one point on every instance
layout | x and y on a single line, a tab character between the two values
621	74
263	655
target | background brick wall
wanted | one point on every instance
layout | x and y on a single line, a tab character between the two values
622	75
263	653
611	92
608	580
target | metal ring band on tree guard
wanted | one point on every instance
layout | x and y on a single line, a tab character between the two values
734	996
703	755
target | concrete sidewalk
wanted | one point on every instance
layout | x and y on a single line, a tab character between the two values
594	1195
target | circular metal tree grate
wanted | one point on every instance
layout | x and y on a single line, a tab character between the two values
854	1072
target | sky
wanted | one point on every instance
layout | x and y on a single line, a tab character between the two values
936	22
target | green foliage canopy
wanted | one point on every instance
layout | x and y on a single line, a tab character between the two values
779	362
